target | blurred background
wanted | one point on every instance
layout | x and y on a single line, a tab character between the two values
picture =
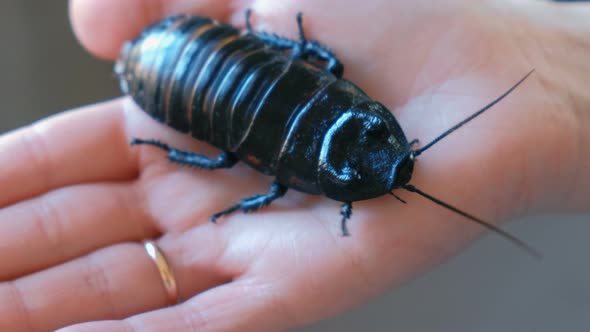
491	287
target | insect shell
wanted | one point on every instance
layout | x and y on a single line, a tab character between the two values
277	104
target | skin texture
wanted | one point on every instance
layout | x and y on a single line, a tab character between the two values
74	211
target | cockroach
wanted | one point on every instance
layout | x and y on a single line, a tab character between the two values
280	105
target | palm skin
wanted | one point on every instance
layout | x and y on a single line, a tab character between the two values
287	265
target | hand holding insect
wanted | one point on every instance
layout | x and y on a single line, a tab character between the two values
286	266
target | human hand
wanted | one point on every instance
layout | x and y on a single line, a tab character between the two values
76	209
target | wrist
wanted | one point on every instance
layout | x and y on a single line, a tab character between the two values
559	52
575	92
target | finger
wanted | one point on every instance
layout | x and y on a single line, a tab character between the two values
103	25
68	223
242	305
111	283
84	145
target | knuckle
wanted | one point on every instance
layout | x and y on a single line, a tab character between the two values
96	279
21	311
49	221
35	147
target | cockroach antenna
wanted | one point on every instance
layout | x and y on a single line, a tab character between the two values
418	152
518	242
483	223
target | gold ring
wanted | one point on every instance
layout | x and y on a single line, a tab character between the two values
165	271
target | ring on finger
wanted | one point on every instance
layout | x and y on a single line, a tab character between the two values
166	273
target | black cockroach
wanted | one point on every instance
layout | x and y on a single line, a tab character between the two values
277	104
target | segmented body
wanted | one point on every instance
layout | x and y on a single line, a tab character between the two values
234	91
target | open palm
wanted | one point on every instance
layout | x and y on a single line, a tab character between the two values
81	199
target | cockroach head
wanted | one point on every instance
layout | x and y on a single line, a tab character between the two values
362	153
